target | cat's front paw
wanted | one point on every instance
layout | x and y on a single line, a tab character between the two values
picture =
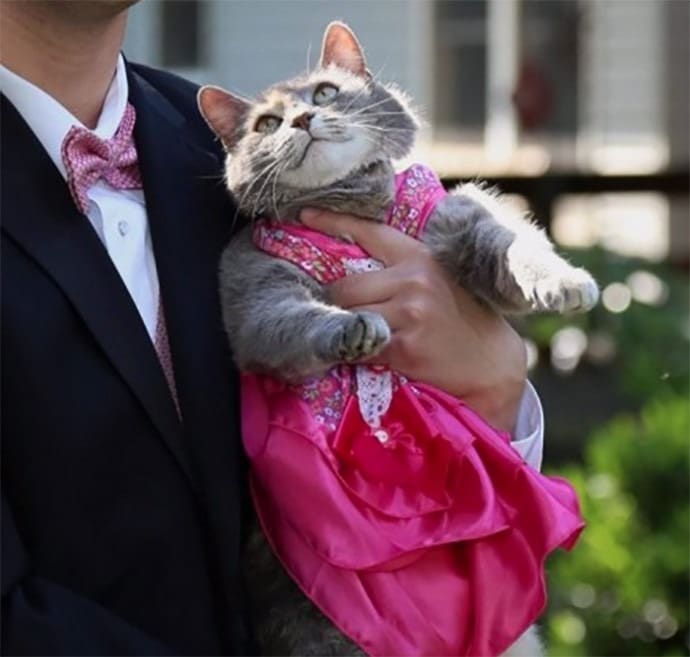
574	290
362	335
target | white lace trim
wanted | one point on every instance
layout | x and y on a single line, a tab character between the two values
374	386
374	393
360	265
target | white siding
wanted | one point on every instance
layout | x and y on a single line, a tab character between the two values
623	85
252	43
632	86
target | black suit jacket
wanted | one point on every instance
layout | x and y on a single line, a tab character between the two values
121	525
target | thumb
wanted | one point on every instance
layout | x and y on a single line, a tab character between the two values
380	241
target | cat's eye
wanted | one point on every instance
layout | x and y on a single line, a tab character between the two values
325	93
267	124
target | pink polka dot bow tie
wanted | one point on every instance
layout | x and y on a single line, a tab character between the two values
89	159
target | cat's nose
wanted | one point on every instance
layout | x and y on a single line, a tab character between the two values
302	121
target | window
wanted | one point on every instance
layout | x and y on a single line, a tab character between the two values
461	64
526	53
180	38
545	93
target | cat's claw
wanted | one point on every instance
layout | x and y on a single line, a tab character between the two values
573	291
363	336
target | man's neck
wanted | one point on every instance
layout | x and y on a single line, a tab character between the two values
72	61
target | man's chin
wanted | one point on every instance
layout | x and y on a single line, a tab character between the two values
87	10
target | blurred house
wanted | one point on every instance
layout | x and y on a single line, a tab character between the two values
589	96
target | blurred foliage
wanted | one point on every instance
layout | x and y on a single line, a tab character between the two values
625	588
650	340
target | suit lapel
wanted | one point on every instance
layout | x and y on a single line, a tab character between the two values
191	219
188	230
40	216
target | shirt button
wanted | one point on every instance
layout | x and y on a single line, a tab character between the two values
123	228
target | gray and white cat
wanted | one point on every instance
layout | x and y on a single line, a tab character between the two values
328	139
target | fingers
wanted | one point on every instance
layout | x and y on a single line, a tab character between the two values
412	286
380	241
364	289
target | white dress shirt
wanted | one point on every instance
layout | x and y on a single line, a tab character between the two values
119	218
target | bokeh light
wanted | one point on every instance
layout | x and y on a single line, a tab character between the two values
647	288
567	346
616	297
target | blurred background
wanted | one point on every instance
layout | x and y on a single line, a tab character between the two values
579	110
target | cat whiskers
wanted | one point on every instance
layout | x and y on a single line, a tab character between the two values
378	135
335	128
373	126
375	115
363	89
366	108
273	191
281	159
309	58
273	171
377	140
389	134
257	179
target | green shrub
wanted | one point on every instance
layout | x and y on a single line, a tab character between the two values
624	588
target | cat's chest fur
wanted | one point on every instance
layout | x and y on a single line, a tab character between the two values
366	194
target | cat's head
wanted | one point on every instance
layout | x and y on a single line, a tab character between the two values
312	133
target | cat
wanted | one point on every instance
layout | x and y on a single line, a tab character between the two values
328	139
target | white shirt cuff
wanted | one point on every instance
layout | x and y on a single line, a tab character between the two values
528	437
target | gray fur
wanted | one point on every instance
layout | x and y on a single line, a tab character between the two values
280	321
502	258
286	622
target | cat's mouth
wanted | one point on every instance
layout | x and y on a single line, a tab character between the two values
312	141
368	168
318	160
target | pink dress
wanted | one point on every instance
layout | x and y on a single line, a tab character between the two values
411	523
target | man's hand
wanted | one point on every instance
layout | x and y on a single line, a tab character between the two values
441	335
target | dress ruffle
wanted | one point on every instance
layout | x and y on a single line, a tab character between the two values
430	544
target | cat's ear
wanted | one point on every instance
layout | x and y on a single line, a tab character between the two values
224	112
340	47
